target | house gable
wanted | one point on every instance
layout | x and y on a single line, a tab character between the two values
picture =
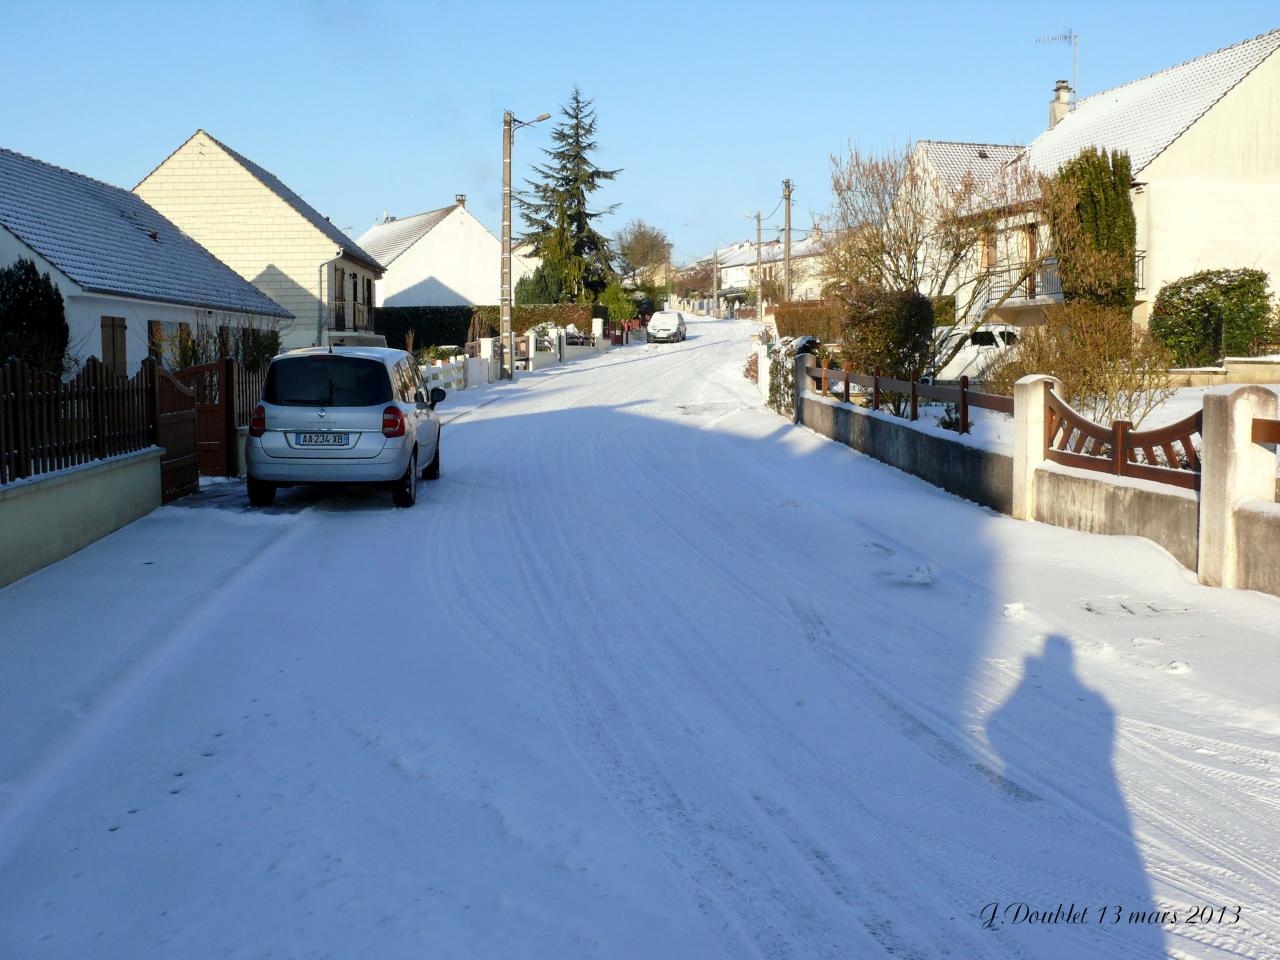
208	191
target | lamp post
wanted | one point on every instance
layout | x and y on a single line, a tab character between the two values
509	126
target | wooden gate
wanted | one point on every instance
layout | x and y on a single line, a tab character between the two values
176	432
214	392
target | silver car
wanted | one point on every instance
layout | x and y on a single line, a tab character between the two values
343	415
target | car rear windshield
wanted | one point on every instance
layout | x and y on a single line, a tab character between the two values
327	380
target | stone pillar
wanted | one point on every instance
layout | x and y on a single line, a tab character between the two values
1030	413
597	331
803	362
1232	467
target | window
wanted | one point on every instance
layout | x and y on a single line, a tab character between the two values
989	250
983	338
368	290
327	380
115	355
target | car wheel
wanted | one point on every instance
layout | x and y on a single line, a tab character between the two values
432	470
405	492
261	493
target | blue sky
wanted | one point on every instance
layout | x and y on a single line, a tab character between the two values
362	107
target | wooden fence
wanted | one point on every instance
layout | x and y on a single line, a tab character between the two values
1166	454
47	424
962	395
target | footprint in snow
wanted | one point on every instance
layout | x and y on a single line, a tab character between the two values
1177	666
1147	642
1013	611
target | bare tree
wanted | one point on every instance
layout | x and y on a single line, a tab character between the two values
643	250
897	224
694	280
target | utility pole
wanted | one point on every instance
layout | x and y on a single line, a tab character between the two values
786	241
715	283
509	126
759	275
504	298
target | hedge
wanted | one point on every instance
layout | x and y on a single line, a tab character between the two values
1212	314
436	326
824	319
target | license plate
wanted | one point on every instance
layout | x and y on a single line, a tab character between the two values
320	439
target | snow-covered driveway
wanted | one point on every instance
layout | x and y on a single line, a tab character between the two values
650	673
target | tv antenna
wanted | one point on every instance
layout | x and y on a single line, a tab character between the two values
1073	38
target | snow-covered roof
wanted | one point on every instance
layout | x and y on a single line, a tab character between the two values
743	253
980	161
308	212
1143	117
109	240
389	239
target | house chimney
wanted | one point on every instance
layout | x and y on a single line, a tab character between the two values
1060	105
460	199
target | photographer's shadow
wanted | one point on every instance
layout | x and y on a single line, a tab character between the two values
1085	851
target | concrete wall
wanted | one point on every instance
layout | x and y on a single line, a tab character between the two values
48	518
1258	535
1096	503
1233	370
983	476
210	196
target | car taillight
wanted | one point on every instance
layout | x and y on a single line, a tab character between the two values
258	422
392	422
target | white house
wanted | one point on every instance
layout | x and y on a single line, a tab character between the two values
248	218
1203	140
128	276
442	257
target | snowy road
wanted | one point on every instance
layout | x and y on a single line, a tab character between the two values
650	673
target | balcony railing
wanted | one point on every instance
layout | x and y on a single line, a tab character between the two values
1013	280
345	315
1140	269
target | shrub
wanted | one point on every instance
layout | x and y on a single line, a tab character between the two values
823	319
782	372
33	320
752	370
1212	314
619	303
1109	368
254	348
889	329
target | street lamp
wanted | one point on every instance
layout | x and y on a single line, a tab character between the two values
509	126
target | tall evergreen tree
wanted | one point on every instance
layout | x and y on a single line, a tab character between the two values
1096	233
33	321
557	214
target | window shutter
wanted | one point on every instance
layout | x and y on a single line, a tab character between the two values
155	340
114	351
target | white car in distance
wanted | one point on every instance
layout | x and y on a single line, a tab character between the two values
666	326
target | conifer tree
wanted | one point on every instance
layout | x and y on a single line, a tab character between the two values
33	322
557	213
1095	235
